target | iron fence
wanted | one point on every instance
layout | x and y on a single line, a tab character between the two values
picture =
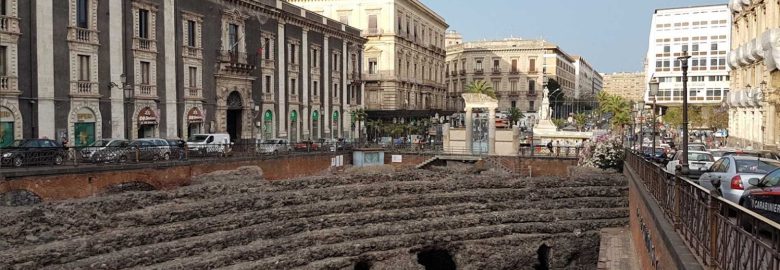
722	234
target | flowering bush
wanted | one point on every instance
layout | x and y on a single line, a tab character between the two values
606	152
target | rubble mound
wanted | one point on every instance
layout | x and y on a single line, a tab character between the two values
412	219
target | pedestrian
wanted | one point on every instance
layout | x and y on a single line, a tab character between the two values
550	147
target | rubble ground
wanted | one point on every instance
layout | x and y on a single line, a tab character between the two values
383	219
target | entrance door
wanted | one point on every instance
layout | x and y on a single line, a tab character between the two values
146	131
6	133
84	134
234	112
194	128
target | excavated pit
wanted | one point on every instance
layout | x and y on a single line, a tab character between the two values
410	219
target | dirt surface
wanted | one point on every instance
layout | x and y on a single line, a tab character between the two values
383	219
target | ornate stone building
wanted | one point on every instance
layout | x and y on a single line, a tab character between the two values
171	68
517	69
403	62
755	74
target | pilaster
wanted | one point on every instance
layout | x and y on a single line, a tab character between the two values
169	26
44	33
305	115
469	130
116	47
326	87
346	119
282	66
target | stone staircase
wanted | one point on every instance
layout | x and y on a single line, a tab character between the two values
495	162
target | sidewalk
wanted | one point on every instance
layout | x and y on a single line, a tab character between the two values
617	250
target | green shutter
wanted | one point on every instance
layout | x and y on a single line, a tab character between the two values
84	134
6	133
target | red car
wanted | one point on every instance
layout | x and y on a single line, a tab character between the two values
306	146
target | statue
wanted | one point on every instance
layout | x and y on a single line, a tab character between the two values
545	111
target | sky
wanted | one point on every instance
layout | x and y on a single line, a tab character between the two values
611	34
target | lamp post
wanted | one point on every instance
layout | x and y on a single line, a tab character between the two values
684	64
653	87
634	114
641	139
129	93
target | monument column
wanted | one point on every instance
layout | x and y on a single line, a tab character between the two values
491	130
469	130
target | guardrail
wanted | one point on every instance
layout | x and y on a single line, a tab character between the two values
722	234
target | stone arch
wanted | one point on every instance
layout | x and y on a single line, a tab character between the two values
185	118
433	258
16	115
19	197
73	118
134	123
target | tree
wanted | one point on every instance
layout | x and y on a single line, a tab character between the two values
481	87
559	122
716	118
673	117
617	107
514	115
359	116
580	119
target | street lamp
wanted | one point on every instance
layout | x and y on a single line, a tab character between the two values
653	87
641	109
684	64
634	113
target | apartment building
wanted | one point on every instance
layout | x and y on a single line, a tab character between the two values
517	69
704	33
755	75
403	58
171	68
588	82
629	85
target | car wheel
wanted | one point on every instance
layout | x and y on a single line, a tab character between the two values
166	156
155	157
122	159
57	160
18	162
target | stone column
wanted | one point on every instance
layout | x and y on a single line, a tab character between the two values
327	89
469	130
491	131
282	101
346	117
170	107
115	44
44	33
305	116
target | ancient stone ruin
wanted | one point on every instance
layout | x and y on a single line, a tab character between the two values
412	219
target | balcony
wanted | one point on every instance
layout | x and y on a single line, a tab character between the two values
453	73
514	93
293	67
293	98
372	32
148	91
514	72
531	93
479	71
8	85
9	24
462	72
82	35
496	70
268	97
269	63
236	61
315	99
83	89
192	52
193	93
143	44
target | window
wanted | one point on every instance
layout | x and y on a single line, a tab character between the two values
531	106
667	48
695	47
267	49
314	57
400	28
293	86
232	37
268	84
144	73
372	66
191	33
143	23
478	65
84	68
293	53
513	104
532	65
514	65
714	46
193	77
316	88
496	63
513	85
336	90
531	87
3	7
82	13
685	47
372	24
3	61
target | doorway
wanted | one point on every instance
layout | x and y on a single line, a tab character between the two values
234	113
146	131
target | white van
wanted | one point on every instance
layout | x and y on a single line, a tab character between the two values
205	144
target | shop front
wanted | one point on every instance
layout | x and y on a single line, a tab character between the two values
315	125
147	123
84	127
195	121
6	127
268	125
335	129
294	126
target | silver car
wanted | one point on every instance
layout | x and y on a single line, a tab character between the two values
730	174
273	146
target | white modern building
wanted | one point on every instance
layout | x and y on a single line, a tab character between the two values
705	33
587	81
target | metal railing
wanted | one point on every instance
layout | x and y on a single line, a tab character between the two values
722	234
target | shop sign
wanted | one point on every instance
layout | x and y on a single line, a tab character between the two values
6	115
147	117
195	116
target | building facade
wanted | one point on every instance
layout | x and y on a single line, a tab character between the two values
587	82
755	74
171	68
629	85
704	32
403	58
517	70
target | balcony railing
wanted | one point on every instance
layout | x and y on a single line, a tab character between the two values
237	61
5	84
84	88
496	70
9	24
145	44
372	32
192	52
82	35
146	90
230	56
514	72
479	71
531	93
268	97
193	92
462	72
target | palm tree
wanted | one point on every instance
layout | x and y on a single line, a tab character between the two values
617	106
481	87
359	116
580	119
514	115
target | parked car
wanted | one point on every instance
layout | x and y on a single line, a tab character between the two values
32	152
307	146
101	145
763	197
178	148
209	144
341	145
730	174
151	149
698	163
718	153
273	146
755	153
696	147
